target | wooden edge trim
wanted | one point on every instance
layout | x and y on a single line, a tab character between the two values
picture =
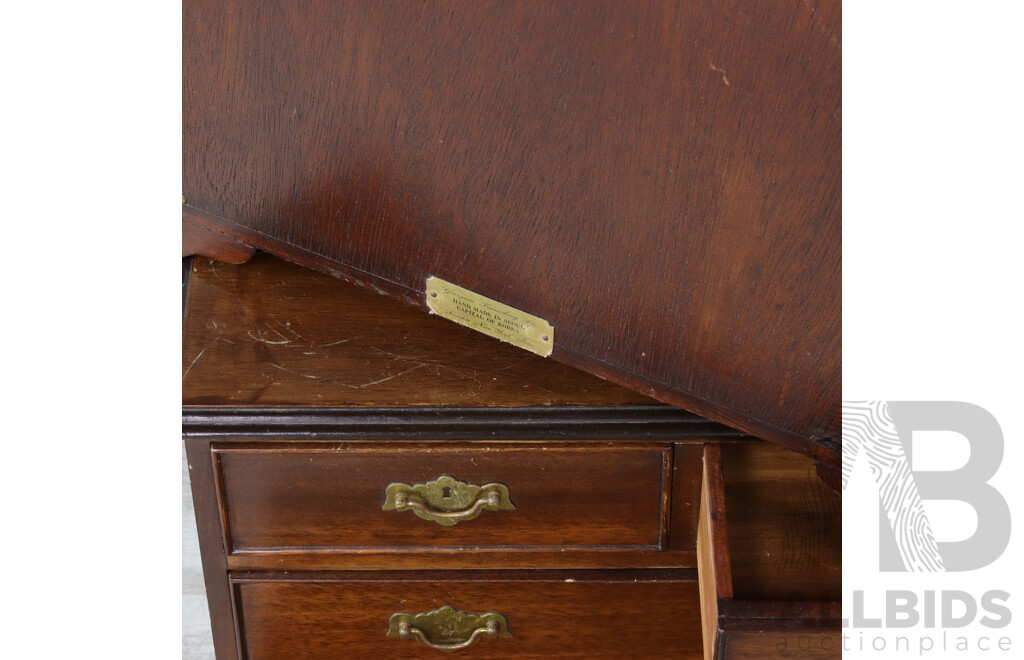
222	505
632	422
419	559
816	449
655	389
665	524
687	471
186	279
713	570
211	549
307	258
742	615
617	575
713	514
201	235
238	618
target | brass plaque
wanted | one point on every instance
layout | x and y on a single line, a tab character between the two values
490	317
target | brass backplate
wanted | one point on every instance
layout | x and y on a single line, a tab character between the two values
446	495
490	317
448	625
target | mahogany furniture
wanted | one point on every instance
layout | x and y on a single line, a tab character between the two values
769	548
335	438
657	179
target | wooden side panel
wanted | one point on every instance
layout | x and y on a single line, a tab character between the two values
565	616
659	180
211	547
785	526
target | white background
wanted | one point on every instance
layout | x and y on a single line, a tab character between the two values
932	286
90	109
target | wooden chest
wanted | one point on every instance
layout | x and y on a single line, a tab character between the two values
370	481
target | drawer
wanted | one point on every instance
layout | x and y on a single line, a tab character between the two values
769	553
332	499
578	614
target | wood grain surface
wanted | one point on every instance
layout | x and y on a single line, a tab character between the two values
550	615
200	235
211	546
785	526
270	333
785	645
660	180
319	499
771	570
715	575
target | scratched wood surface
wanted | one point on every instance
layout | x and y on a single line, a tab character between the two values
658	179
270	333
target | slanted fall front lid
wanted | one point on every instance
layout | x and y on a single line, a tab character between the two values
658	181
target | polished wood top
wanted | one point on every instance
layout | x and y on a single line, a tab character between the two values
270	333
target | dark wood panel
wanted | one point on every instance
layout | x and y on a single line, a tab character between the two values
784	645
269	333
282	498
659	180
687	467
785	526
575	616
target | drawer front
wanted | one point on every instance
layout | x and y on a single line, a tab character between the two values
316	499
553	617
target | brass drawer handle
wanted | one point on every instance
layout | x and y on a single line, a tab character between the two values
453	629
447	501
